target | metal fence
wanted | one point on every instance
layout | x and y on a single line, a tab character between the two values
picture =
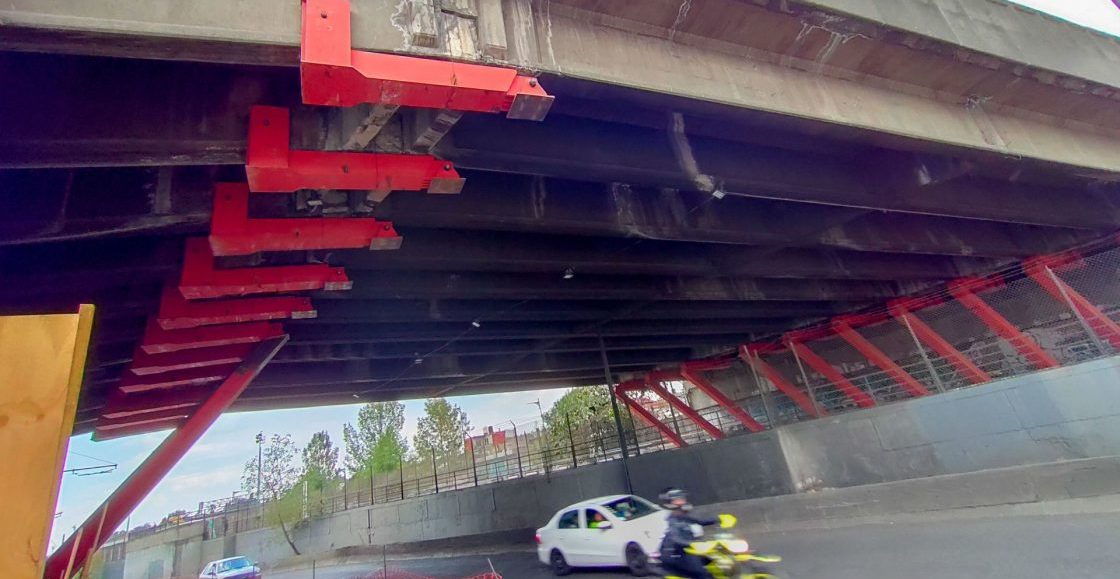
1006	325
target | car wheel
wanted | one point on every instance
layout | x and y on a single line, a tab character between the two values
637	560
558	564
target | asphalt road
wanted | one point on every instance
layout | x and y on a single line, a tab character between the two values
1083	546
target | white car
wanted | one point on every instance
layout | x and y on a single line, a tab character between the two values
614	531
231	568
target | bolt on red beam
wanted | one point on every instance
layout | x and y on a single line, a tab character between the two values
333	74
272	167
845	330
1040	269
73	552
903	311
621	391
232	232
964	290
132	383
752	354
176	313
201	280
157	340
144	363
691	371
830	373
654	384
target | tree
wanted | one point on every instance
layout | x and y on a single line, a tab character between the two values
279	474
443	428
320	461
591	415
377	440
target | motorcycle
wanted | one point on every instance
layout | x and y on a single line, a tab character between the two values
728	556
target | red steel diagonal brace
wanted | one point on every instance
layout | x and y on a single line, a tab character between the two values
691	371
622	391
653	382
964	290
75	551
200	279
752	355
233	232
830	373
178	313
903	311
1040	270
272	167
843	328
333	74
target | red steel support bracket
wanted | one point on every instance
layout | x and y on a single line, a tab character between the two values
157	340
272	167
120	405
653	382
333	74
751	354
691	371
75	551
109	427
843	327
201	280
176	313
622	389
1041	271
964	290
903	311
132	383
830	373
144	363
232	232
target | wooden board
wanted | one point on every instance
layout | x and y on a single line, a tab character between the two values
42	359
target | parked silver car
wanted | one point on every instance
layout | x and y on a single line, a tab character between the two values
231	568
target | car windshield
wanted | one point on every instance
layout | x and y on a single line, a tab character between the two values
230	565
629	508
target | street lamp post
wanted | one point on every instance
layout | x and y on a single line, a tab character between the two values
517	445
260	442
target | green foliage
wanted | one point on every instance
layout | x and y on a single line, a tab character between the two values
443	428
287	511
279	475
589	410
377	440
320	461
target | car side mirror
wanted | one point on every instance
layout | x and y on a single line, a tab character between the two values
604	525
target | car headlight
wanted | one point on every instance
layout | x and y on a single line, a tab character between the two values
738	546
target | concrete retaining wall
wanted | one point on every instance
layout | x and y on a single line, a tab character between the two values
1057	415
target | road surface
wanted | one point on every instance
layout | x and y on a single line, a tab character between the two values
1083	546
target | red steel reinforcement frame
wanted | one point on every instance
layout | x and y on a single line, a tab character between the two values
623	389
965	289
752	355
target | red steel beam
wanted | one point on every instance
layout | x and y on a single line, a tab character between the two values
73	552
272	167
830	373
691	371
622	389
1040	269
138	428
963	290
333	74
176	313
107	425
120	405
752	355
157	340
201	279
845	330
232	232
903	310
144	363
655	385
131	383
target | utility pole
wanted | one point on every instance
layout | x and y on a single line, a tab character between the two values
617	418
260	443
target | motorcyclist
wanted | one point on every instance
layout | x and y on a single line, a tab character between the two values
680	534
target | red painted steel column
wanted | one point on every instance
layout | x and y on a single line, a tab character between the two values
801	400
902	310
118	506
844	329
830	373
709	389
654	384
963	291
649	417
1040	271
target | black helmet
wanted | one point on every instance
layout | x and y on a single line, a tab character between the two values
673	498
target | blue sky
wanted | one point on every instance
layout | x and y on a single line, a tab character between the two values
213	467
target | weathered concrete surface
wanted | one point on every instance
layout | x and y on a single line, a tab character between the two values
805	72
